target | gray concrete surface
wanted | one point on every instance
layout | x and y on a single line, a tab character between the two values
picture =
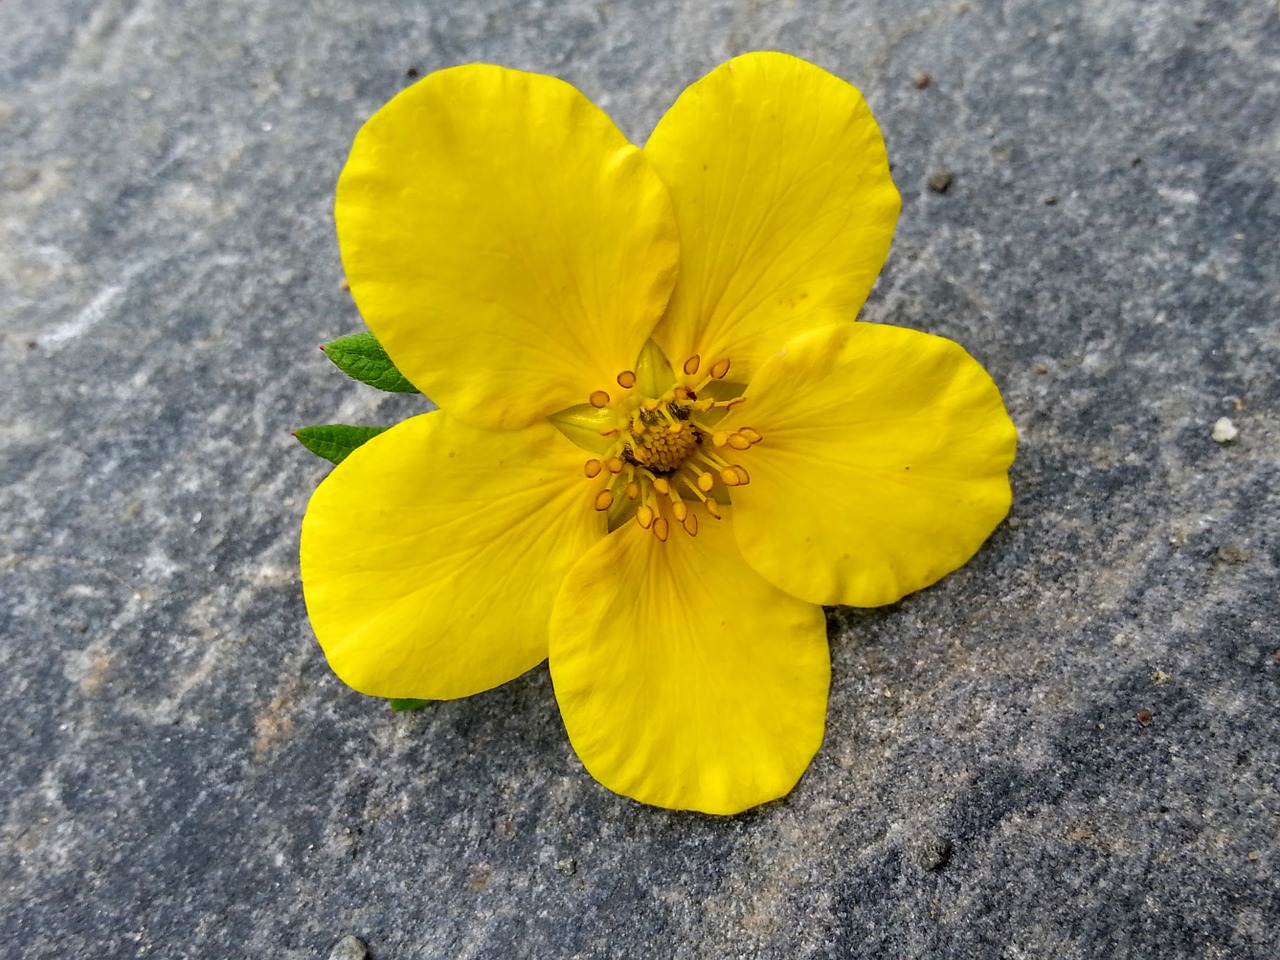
182	777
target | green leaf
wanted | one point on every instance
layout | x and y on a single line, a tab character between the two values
361	357
404	706
334	441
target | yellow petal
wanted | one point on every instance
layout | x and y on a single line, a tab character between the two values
685	680
883	464
504	242
786	208
432	555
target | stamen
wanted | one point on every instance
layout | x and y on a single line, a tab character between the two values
662	448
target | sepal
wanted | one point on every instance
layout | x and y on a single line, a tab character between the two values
335	441
361	357
405	705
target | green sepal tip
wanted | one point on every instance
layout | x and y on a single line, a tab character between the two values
404	706
361	357
334	441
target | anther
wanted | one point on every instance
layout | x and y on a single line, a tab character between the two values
681	392
644	516
661	528
691	365
637	426
730	477
604	500
690	524
739	442
592	468
719	369
627	379
751	435
720	438
661	485
706	481
680	509
614	465
713	508
743	477
599	399
633	490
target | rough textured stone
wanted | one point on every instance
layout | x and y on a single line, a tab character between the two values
184	778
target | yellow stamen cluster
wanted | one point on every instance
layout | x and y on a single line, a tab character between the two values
665	455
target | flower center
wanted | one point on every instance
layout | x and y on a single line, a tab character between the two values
667	452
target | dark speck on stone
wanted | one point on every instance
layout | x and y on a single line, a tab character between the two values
940	181
568	866
920	79
935	854
1143	717
412	73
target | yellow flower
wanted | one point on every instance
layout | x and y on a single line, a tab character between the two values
530	270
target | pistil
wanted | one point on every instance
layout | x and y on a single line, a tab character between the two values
666	453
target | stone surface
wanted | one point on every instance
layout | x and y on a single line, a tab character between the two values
183	777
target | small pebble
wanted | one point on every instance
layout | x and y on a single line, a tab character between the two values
349	948
935	854
1224	431
940	181
920	79
1143	717
568	866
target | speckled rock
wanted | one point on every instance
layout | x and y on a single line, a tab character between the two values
183	777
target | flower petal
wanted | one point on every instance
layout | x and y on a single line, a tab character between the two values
432	555
504	242
685	680
883	465
786	208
